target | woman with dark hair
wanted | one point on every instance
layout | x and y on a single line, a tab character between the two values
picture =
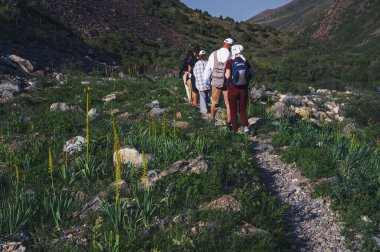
188	77
184	70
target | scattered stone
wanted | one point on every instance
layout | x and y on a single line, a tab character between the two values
350	129
129	155
198	165
154	104
110	97
24	64
59	77
333	180
168	221
201	226
366	219
324	92
255	121
181	124
80	196
256	94
85	82
96	203
74	145
157	112
13	247
248	229
304	112
92	114
226	202
124	116
280	110
62	107
376	239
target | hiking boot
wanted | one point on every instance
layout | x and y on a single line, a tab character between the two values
246	129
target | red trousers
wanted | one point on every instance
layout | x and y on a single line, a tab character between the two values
235	95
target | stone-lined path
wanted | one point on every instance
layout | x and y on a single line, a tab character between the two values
313	225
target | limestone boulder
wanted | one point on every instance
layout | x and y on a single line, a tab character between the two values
129	155
74	145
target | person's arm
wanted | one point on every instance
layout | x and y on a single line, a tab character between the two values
209	67
228	69
228	74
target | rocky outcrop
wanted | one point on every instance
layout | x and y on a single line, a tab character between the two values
320	106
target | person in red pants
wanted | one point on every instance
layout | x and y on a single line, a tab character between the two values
238	73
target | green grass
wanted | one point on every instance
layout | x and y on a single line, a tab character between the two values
26	144
324	153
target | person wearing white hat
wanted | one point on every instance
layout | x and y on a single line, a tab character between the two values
239	73
200	82
215	74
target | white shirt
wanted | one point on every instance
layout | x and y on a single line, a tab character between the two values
222	55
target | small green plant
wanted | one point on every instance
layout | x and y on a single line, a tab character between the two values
56	207
16	214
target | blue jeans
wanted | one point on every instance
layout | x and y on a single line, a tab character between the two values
204	99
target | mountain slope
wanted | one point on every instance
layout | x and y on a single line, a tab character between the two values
294	16
349	22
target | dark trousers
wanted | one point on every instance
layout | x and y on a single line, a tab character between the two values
235	95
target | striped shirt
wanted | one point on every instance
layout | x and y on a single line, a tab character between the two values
198	71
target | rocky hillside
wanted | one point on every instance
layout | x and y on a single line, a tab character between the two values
88	18
294	16
350	22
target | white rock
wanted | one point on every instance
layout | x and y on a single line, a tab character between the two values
59	77
59	106
129	155
23	63
74	145
254	121
92	114
85	82
109	97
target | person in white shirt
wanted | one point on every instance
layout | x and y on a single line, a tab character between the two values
219	82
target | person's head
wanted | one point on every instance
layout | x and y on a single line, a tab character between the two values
236	51
227	43
202	55
189	53
196	49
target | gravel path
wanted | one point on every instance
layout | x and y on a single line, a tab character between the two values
313	225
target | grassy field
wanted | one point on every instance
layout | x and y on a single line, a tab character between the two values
40	185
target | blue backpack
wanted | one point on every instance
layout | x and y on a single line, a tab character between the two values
241	72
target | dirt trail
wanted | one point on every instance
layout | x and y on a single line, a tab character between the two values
313	225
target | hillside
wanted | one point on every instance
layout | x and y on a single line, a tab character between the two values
294	16
139	34
349	22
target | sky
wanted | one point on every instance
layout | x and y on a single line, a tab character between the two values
239	10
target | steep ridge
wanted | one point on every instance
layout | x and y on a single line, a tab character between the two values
294	16
350	22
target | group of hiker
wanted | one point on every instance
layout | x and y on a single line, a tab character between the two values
225	72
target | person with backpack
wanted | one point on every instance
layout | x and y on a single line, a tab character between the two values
215	74
200	82
238	73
